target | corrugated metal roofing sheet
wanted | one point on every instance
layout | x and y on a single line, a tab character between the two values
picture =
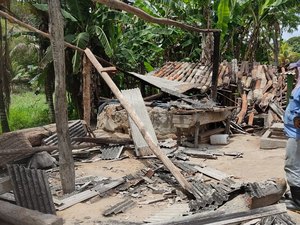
135	98
31	189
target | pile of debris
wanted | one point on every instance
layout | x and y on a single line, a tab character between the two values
212	189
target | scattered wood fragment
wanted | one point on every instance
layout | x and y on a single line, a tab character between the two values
77	198
199	154
211	172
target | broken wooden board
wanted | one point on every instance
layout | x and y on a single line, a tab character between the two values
77	198
16	215
213	173
102	188
271	139
135	98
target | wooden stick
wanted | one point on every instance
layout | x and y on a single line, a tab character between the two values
162	21
38	149
130	110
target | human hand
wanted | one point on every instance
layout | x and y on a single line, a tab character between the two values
297	122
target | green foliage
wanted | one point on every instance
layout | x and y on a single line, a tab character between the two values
28	110
294	42
223	16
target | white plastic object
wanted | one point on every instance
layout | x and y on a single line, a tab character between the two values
219	139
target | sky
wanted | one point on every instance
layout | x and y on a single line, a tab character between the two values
286	35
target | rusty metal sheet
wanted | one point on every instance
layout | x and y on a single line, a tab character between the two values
13	141
120	207
135	98
31	189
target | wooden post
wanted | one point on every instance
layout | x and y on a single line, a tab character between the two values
216	59
130	110
66	162
86	90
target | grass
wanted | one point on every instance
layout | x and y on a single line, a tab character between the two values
27	110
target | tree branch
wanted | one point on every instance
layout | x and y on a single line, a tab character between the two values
116	4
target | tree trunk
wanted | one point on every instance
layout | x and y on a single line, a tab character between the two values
49	90
276	43
66	162
86	92
252	46
3	109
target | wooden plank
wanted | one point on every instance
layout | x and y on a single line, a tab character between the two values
5	185
266	142
102	188
211	172
199	154
16	215
77	198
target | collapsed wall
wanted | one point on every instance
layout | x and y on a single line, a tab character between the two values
113	118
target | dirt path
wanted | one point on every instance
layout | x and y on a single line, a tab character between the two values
256	165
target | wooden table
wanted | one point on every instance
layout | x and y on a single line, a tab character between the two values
187	119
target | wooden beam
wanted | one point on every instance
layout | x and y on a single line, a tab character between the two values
109	69
66	162
16	215
130	110
39	149
116	4
86	90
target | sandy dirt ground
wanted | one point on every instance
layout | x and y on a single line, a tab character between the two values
256	165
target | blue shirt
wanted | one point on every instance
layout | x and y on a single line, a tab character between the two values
292	110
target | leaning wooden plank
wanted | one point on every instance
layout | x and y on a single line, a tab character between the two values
217	218
77	198
5	185
213	173
156	150
17	215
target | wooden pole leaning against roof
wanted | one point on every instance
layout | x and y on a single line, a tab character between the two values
155	149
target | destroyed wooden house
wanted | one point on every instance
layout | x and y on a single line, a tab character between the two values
187	112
